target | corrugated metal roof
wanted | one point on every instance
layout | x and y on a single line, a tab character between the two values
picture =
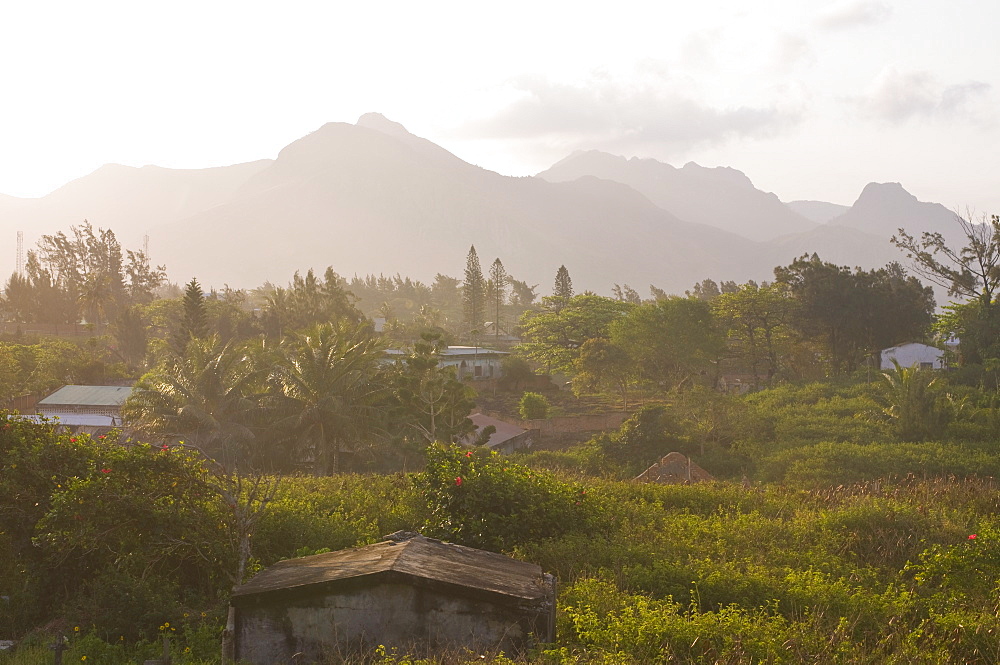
87	396
418	557
505	431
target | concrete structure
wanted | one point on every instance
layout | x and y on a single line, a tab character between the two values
506	439
409	592
913	354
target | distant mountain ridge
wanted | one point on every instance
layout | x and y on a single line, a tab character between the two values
370	197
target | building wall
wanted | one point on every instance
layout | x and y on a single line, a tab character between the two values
913	355
415	619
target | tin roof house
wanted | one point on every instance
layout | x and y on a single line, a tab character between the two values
410	592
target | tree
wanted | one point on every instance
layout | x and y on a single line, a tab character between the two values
194	317
330	390
852	315
672	339
498	293
205	395
627	294
473	291
603	364
971	272
554	335
430	401
563	289
754	318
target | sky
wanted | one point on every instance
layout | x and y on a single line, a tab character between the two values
811	99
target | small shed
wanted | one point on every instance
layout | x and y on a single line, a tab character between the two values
913	354
506	438
674	469
411	592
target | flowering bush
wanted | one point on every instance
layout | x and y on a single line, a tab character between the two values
484	500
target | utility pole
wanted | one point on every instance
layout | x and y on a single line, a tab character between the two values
19	267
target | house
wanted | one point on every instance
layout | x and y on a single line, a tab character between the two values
470	362
913	354
505	439
409	592
674	469
90	409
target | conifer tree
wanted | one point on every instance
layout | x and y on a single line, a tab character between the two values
498	292
563	289
473	290
194	319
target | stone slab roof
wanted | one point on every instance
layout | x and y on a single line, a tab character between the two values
505	431
416	556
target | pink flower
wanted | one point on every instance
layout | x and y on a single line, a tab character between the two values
972	537
458	482
105	470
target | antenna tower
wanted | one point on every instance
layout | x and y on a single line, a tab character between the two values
20	253
145	245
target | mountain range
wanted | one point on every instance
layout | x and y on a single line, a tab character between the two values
371	197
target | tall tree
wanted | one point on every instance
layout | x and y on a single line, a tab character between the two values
194	317
672	339
498	293
473	291
554	335
562	291
755	319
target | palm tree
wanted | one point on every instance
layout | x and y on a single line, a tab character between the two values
331	384
205	396
914	404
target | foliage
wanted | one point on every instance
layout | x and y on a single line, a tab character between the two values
533	406
671	340
429	400
855	313
915	406
478	498
554	335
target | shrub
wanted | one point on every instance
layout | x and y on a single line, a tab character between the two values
483	500
533	406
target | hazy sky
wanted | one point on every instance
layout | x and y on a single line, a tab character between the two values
810	98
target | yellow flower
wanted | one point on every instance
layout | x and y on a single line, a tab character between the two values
187	649
166	624
76	629
83	658
203	614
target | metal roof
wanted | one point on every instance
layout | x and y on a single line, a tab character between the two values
87	396
418	557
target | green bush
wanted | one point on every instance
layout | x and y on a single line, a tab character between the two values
481	499
533	406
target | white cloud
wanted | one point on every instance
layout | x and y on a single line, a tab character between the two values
897	96
849	14
608	114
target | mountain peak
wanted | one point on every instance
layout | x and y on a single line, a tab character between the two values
380	123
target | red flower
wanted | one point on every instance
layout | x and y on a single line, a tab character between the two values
468	454
458	481
164	447
105	470
101	437
972	537
73	440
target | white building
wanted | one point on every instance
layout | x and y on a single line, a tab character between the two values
470	362
913	354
